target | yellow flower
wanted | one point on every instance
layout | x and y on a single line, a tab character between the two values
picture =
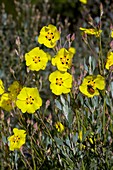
59	126
29	100
6	102
83	1
80	135
36	59
14	89
17	140
49	36
111	33
109	61
91	84
91	31
60	82
63	59
1	87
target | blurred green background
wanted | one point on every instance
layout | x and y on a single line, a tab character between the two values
74	10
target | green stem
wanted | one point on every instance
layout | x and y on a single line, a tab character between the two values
101	61
30	168
78	120
104	117
34	164
91	50
46	127
83	167
101	57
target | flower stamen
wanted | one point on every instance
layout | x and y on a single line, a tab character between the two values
64	60
16	139
8	102
59	81
36	59
49	36
29	100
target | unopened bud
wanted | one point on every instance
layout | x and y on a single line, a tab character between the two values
68	37
16	52
84	37
47	103
35	126
101	10
111	44
111	68
11	70
8	121
90	20
111	27
18	41
59	30
2	115
73	37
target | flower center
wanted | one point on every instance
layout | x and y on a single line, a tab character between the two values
16	139
91	82
59	81
8	102
49	36
36	59
29	100
64	60
92	30
17	90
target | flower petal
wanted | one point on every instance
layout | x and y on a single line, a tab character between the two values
100	82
